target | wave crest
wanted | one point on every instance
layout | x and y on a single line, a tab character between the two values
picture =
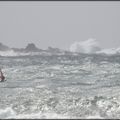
88	46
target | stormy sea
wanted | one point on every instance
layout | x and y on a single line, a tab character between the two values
60	86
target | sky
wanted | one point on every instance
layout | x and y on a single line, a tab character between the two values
59	23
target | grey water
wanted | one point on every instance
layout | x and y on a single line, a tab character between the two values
60	86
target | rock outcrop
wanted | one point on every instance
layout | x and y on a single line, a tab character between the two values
31	48
4	47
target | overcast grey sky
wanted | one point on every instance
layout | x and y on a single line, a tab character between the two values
59	24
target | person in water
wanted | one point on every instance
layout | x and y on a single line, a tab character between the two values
2	76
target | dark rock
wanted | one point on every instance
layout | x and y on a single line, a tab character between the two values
4	47
18	49
31	48
53	50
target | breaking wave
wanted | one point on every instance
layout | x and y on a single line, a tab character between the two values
88	46
12	53
8	53
110	51
9	113
92	46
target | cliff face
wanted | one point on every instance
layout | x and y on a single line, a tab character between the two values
4	47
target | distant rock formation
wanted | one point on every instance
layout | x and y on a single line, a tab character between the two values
4	47
68	53
53	50
18	49
31	48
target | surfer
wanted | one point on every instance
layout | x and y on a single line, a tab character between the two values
1	76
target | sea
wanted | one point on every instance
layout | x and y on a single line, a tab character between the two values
60	86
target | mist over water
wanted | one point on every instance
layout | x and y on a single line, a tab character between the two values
60	86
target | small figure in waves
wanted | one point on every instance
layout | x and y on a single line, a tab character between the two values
2	77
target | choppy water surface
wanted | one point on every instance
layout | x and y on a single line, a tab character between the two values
84	86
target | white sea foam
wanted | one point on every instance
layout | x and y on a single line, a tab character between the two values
92	46
8	53
41	116
12	53
110	51
60	91
6	113
9	113
94	117
88	46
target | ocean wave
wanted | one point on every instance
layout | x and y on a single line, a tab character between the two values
87	46
9	113
110	51
92	46
68	107
43	87
14	53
